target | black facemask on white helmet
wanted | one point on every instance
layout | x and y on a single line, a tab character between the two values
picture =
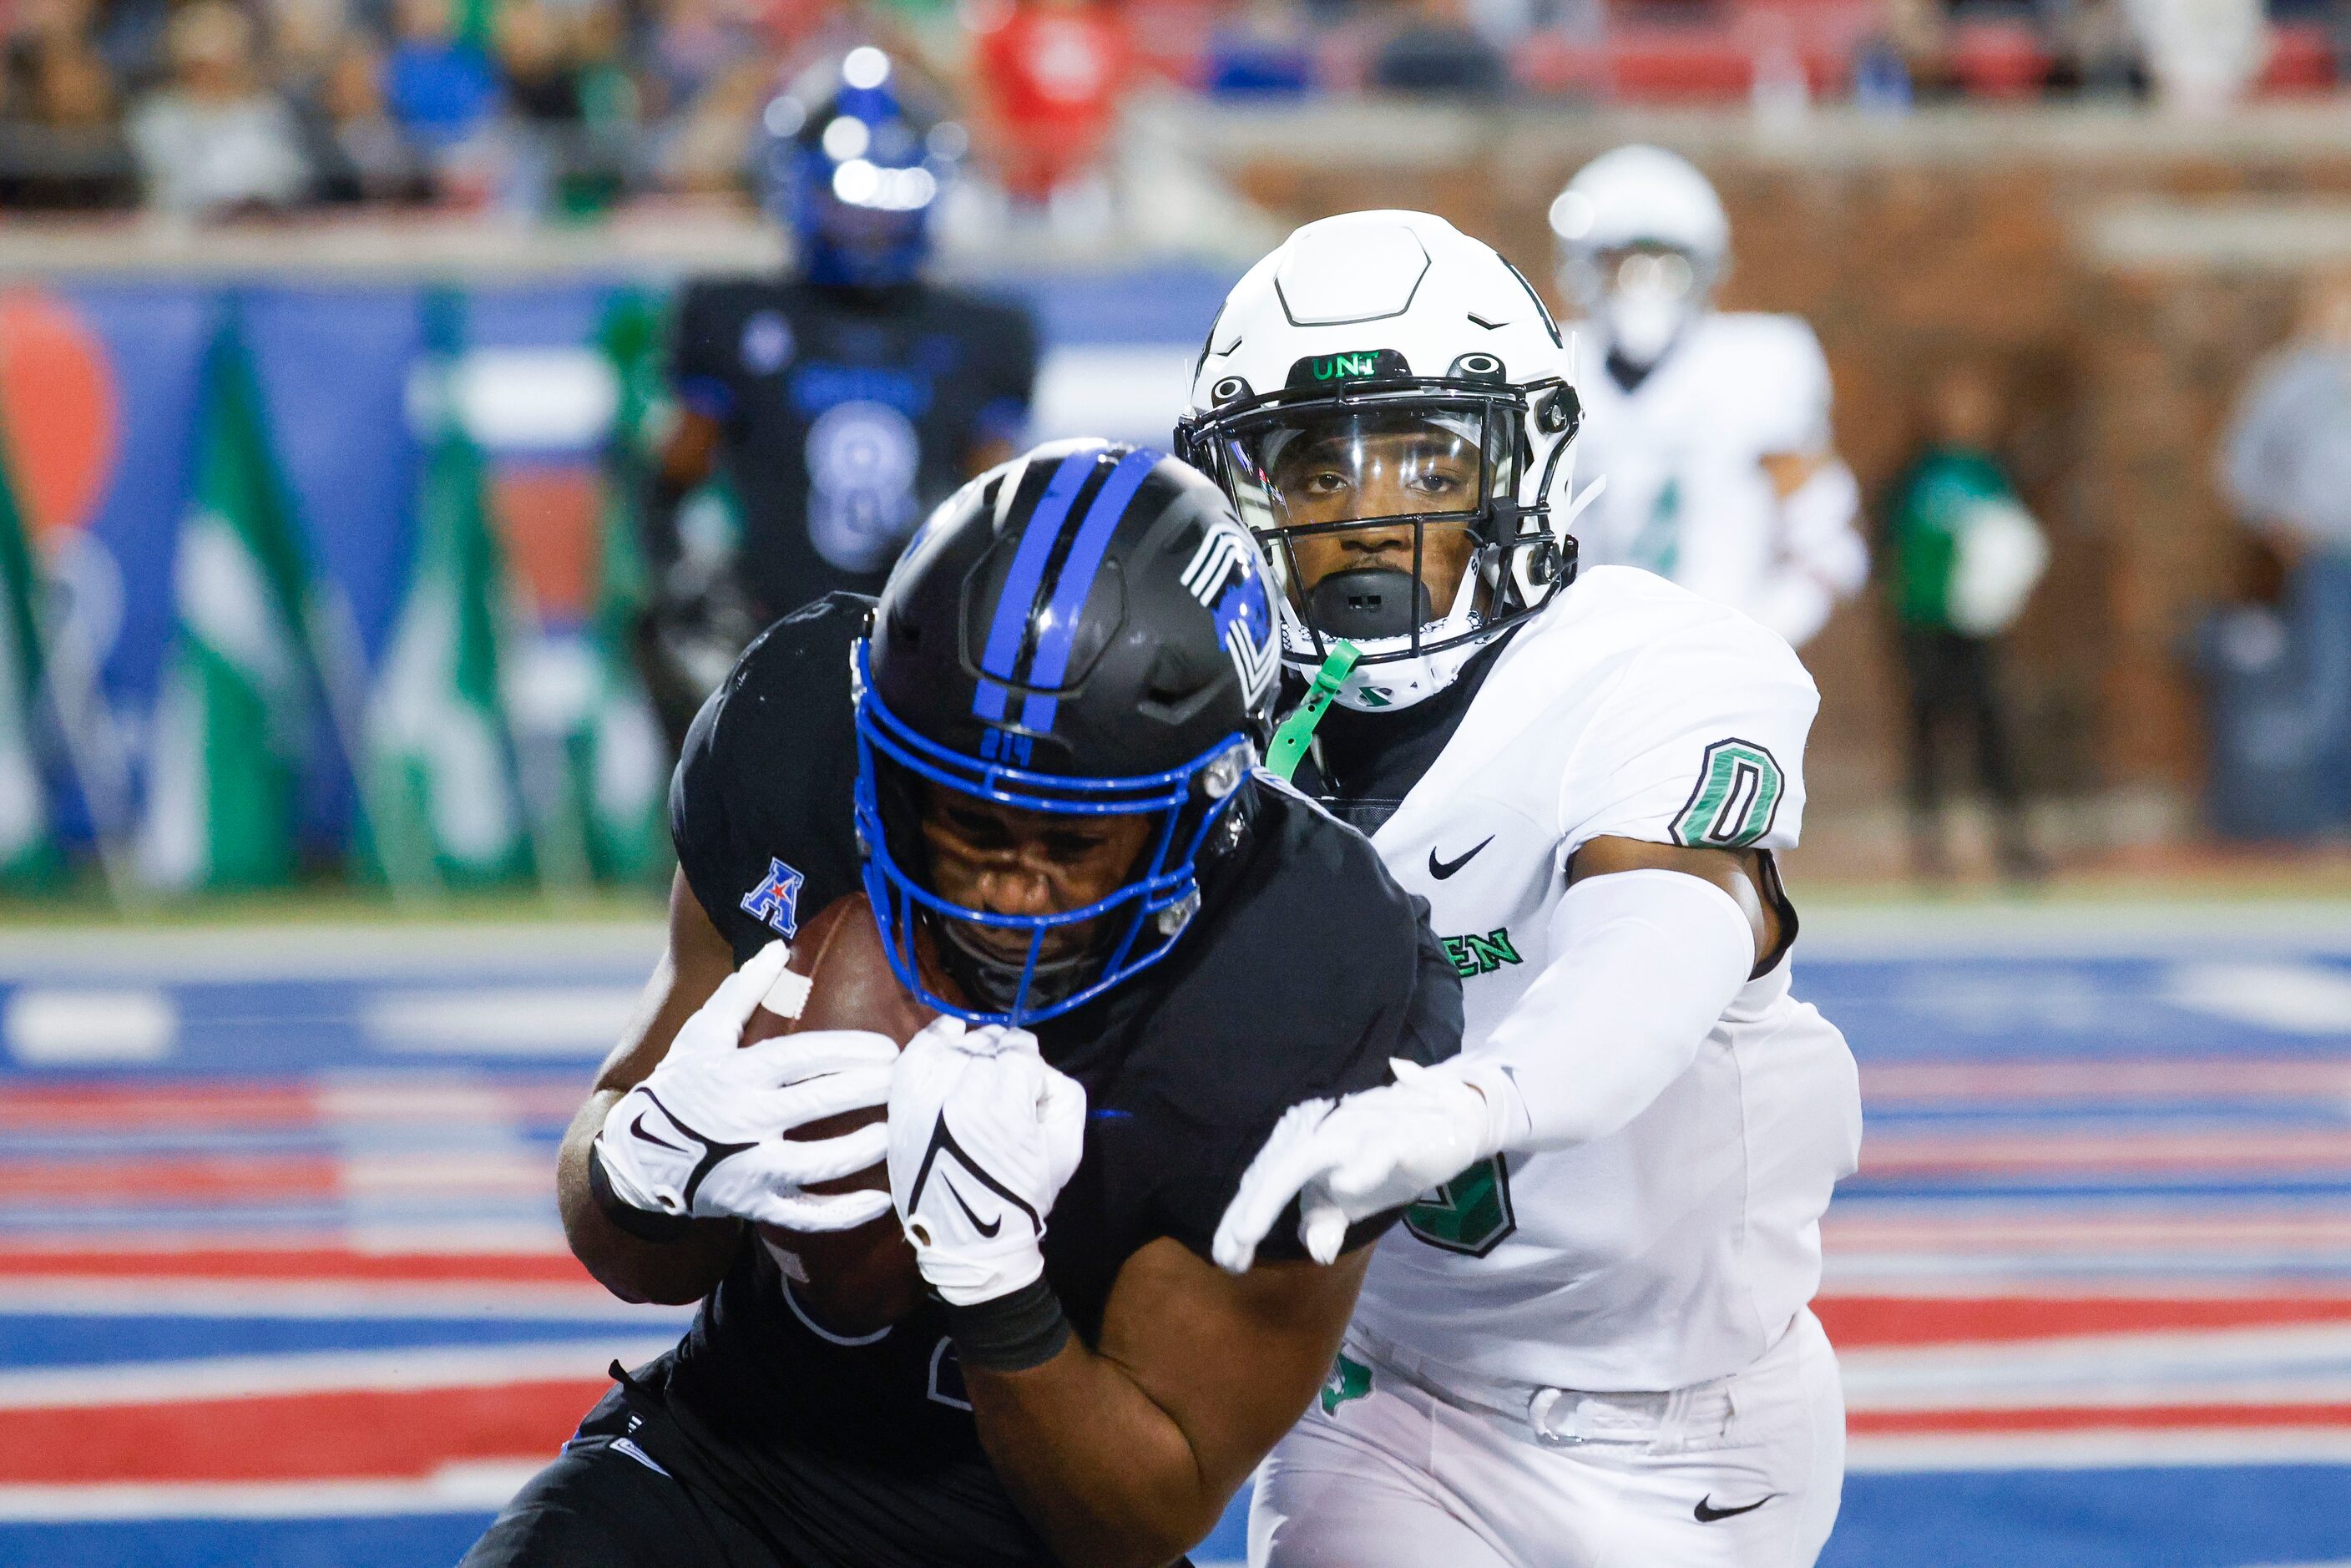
1386	402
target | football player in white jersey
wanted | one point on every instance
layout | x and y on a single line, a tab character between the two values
1589	1343
1711	428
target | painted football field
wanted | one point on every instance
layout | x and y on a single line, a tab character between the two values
280	1282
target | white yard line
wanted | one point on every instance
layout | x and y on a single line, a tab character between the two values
2118	1449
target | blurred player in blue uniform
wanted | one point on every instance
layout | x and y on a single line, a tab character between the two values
839	402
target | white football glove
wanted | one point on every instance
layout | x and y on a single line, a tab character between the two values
1373	1151
983	1137
705	1133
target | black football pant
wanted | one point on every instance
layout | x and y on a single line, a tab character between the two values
607	1503
602	1505
1954	683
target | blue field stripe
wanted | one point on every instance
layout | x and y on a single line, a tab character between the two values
1058	631
72	1339
2204	1517
1036	548
403	1541
2220	1517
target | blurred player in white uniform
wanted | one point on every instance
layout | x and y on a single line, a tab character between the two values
1711	428
1588	1344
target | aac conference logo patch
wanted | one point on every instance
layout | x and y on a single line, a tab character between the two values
777	899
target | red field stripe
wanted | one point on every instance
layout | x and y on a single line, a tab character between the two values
2076	1417
211	1105
150	1105
296	1265
173	1181
1854	1322
311	1437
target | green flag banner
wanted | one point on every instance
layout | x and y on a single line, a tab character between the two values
447	807
621	761
235	711
28	847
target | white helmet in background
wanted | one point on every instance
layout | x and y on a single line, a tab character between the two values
1642	243
1388	405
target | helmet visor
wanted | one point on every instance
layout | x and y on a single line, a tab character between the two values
1309	467
1374	514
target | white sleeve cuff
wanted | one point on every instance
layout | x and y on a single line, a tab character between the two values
1643	965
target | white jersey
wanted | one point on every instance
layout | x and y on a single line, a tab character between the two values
1678	1249
1687	497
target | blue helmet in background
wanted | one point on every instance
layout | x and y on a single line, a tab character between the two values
1084	631
852	165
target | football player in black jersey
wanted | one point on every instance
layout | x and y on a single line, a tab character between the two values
1034	757
840	403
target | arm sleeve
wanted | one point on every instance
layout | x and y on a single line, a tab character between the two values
1648	960
1822	557
701	359
1701	743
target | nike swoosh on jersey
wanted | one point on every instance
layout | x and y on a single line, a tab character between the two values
987	1227
1706	1513
1440	870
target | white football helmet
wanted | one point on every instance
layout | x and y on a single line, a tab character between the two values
1388	404
1641	244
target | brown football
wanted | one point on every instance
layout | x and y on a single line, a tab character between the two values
853	1282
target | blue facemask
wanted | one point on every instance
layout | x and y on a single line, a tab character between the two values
1140	922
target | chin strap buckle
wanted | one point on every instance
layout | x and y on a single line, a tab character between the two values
1297	732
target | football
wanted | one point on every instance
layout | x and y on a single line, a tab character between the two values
862	1281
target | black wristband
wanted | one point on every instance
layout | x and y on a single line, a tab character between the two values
1010	1334
642	1223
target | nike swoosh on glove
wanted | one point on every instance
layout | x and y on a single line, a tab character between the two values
1373	1151
705	1133
983	1136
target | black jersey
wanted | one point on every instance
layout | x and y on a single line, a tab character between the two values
848	415
1307	970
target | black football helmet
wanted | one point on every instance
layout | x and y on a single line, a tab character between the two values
1085	631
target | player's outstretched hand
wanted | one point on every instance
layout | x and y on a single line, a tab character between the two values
983	1136
1372	1152
707	1132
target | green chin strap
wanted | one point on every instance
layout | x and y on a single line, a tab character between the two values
1297	732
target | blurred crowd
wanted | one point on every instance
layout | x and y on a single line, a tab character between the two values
229	107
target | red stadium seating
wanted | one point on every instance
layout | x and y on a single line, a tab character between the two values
1999	60
2302	59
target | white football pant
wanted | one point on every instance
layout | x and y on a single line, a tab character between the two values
1742	1472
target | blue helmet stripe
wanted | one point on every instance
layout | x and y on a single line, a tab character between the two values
1019	597
1057	629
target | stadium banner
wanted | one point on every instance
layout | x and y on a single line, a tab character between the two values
102	393
440	752
231	727
28	847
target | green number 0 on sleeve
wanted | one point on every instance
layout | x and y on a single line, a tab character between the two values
1737	797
